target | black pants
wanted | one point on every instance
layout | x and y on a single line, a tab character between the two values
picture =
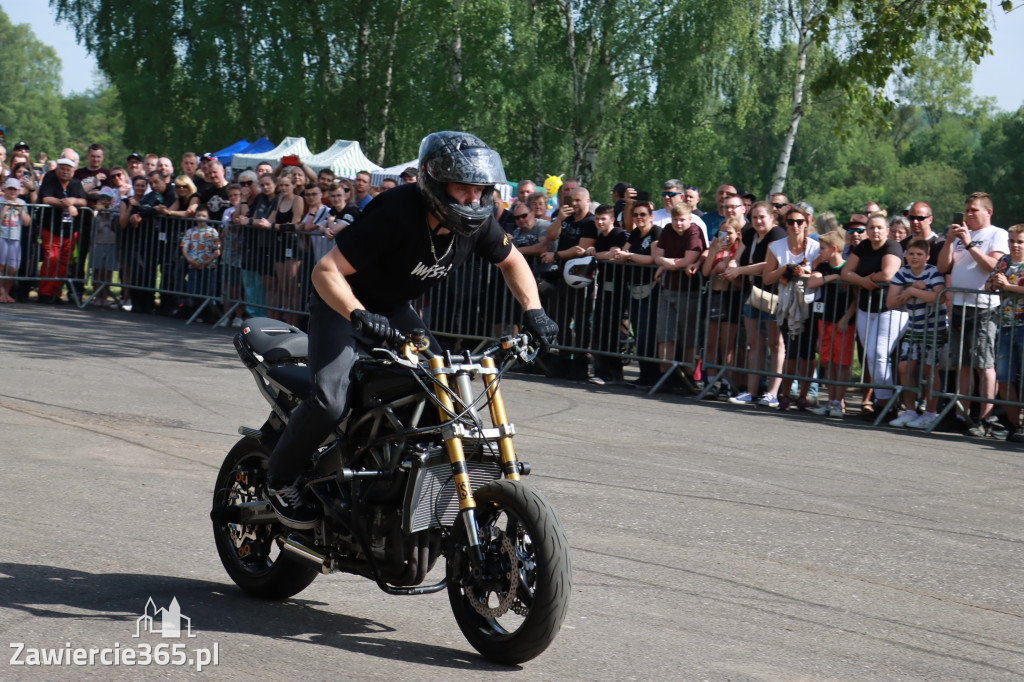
333	351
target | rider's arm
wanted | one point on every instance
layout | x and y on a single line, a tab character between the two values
329	279
519	279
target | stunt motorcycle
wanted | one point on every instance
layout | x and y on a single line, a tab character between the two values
410	474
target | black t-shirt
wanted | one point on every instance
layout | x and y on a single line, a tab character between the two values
573	232
216	200
870	262
640	245
53	217
754	254
617	237
390	248
835	295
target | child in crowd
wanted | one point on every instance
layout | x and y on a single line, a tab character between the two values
725	303
612	302
103	256
231	254
836	330
12	217
1007	279
912	288
200	246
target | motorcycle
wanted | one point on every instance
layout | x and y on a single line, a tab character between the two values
400	485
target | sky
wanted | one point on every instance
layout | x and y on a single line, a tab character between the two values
995	76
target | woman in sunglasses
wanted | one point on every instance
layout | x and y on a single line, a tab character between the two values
787	261
643	305
760	326
870	266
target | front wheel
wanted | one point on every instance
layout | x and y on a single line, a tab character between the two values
250	553
511	610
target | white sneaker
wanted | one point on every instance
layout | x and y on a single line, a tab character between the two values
925	421
821	410
236	323
742	399
768	400
904	419
836	410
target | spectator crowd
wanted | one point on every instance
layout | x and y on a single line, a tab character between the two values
753	302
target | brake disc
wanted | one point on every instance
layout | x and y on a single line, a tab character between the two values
506	597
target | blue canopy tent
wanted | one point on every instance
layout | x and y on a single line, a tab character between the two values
224	155
258	147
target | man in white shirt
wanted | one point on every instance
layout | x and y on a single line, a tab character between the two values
970	253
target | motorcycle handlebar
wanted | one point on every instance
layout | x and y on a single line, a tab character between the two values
518	345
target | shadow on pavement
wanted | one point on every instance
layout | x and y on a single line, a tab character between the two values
42	591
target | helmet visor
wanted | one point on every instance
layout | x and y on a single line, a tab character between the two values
472	166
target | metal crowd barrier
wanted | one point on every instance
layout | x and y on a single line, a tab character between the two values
618	319
259	272
47	258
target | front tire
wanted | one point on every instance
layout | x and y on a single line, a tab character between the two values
512	610
250	553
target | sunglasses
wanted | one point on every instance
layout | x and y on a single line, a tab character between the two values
670	194
795	221
778	205
694	189
915	218
855	230
245	183
522	216
181	187
641	215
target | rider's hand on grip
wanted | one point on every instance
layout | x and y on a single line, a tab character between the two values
375	327
542	328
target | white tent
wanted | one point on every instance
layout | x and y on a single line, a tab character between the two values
344	157
392	172
291	146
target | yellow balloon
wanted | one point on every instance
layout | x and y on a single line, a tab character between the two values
552	184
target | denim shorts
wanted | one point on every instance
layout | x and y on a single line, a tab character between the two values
1009	360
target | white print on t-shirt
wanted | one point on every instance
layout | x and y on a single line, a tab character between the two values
424	271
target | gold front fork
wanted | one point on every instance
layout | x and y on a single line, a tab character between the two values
456	455
500	421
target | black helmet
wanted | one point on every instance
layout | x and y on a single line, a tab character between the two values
451	156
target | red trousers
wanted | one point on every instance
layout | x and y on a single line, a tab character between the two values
57	248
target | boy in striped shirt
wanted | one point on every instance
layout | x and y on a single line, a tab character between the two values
914	288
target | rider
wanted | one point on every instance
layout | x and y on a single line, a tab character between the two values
406	241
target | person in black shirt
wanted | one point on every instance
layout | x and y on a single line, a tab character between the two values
574	232
405	242
63	195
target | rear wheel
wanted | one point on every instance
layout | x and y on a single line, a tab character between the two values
250	553
512	609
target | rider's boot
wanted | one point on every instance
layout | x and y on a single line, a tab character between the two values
290	507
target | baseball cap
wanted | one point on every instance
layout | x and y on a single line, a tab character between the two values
107	192
21	145
12	182
134	155
65	162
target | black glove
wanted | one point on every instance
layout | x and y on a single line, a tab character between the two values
542	328
375	327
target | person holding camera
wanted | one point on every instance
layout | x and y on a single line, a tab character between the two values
788	263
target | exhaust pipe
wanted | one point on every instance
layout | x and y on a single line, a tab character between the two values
310	557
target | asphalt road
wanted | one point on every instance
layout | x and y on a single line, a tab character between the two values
709	542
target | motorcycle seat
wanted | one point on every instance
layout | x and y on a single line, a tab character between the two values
276	341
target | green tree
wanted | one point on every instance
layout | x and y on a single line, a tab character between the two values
31	105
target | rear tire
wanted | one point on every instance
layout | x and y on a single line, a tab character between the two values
513	612
250	553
